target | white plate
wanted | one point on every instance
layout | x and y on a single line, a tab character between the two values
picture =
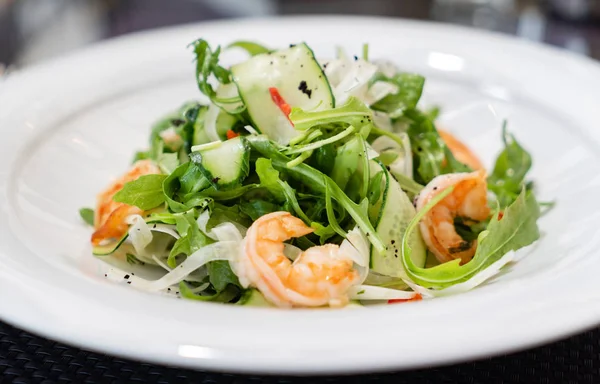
70	125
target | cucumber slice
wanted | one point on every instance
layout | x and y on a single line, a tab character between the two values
395	212
253	298
224	163
108	249
298	78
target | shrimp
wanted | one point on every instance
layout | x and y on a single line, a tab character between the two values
468	200
320	275
461	152
110	216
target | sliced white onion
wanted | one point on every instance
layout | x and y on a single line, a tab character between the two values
222	232
465	286
386	67
383	121
217	251
404	163
356	247
349	78
369	292
250	129
139	234
371	153
378	90
165	228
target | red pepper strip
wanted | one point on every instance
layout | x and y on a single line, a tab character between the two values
231	134
500	215
280	102
416	298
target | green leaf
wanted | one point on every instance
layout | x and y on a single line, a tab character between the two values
517	229
191	240
374	193
432	156
87	215
281	190
184	180
317	182
207	64
257	208
220	275
252	48
354	113
145	192
512	165
225	296
410	87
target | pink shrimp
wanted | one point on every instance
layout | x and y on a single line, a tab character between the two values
321	275
110	216
468	200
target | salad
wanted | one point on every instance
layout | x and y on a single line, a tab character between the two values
308	183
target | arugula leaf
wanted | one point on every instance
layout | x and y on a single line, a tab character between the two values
186	180
346	161
191	240
410	87
510	170
251	47
145	192
317	182
257	208
354	113
374	193
220	275
516	229
431	155
281	190
207	64
225	296
87	215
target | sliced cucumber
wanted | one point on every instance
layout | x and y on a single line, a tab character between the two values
298	78
394	214
110	248
253	298
225	164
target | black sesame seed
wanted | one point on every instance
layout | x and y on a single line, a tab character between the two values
154	226
435	188
105	275
168	289
355	58
393	241
126	277
129	282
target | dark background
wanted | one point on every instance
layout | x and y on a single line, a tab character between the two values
32	30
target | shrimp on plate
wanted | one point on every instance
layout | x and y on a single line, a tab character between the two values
110	219
461	152
321	275
468	200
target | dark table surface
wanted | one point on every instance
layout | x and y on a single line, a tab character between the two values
30	32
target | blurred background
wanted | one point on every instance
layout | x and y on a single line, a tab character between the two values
33	30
